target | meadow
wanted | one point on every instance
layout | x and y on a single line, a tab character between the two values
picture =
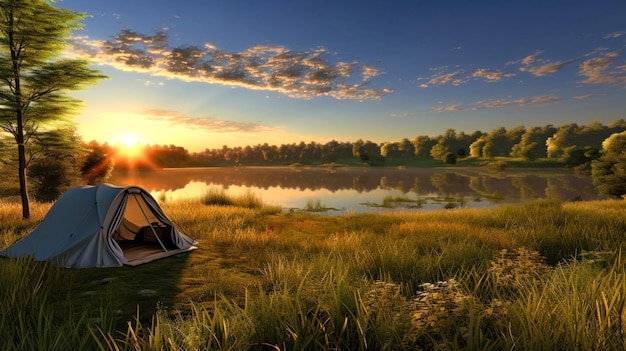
545	275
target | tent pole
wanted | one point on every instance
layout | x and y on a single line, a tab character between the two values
150	224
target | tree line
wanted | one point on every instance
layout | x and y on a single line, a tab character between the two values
569	144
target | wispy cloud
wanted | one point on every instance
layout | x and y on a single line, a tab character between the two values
455	78
498	103
599	67
530	59
299	74
584	97
491	75
605	69
202	124
614	35
449	108
548	68
538	66
525	101
399	115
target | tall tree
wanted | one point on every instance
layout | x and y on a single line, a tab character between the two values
35	76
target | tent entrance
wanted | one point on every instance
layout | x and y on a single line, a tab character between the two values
141	235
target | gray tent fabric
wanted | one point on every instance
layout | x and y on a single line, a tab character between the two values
102	226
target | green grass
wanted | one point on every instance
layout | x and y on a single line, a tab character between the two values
543	275
220	197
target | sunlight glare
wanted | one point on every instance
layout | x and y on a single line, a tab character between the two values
130	144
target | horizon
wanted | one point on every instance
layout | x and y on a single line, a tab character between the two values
132	146
205	75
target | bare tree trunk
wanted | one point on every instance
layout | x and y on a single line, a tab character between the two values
22	173
19	138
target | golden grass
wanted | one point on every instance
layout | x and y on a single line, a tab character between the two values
532	276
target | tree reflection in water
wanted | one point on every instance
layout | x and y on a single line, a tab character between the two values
351	188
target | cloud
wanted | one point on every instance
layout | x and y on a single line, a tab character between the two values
604	69
449	108
614	35
584	97
203	124
530	59
499	103
537	100
542	70
454	78
491	75
399	115
538	66
149	83
299	74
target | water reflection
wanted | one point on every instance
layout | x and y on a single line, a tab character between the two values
350	189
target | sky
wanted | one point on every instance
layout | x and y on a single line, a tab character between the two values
203	74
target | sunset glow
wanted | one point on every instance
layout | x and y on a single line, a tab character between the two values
131	151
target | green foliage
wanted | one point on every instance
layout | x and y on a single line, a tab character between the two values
35	77
36	311
50	178
609	171
54	169
98	165
532	145
498	142
574	145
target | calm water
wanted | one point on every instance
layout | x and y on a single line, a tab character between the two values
363	189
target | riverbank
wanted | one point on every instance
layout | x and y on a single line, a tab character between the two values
541	275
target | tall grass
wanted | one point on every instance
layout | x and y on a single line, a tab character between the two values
36	310
247	199
544	275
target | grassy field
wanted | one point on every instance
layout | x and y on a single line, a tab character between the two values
539	276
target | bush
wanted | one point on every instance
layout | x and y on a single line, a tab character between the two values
50	179
609	171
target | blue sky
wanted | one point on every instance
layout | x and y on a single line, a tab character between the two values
202	74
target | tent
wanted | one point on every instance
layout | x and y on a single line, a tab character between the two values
102	226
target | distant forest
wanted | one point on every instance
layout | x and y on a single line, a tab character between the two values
570	144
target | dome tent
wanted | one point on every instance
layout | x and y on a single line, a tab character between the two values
102	226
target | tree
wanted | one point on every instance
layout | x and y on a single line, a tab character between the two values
532	145
609	171
422	145
98	164
35	76
53	169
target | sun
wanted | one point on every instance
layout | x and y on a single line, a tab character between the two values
128	139
129	144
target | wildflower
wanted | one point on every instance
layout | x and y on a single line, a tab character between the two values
518	268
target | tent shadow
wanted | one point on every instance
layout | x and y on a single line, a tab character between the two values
126	294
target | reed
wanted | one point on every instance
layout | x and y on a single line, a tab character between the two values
219	197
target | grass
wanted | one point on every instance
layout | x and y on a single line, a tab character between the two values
316	205
405	202
543	275
220	197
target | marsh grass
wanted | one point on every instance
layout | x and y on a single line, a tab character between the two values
316	205
543	275
402	201
248	199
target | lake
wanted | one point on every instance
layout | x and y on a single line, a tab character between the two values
347	190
